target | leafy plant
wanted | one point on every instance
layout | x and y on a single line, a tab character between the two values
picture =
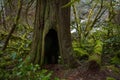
30	72
115	60
81	53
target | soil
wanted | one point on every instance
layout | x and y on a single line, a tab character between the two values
82	73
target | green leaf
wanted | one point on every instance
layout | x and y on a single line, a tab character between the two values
14	55
115	60
56	78
19	73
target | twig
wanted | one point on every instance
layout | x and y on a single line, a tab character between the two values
96	18
27	9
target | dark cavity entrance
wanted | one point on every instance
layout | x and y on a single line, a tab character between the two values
51	47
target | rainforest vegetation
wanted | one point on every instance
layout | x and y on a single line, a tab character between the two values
59	39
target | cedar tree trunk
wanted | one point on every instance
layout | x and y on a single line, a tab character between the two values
52	26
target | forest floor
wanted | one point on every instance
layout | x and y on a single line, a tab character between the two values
82	73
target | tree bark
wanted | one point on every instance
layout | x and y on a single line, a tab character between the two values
51	15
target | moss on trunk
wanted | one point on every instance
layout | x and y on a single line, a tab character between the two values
51	15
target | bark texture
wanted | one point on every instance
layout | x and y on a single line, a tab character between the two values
51	15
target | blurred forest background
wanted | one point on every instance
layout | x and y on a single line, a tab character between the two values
95	35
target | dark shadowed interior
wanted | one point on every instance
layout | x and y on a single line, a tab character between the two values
51	47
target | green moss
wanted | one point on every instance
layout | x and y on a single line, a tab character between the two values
110	78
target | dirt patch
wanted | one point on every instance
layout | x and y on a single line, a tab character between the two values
82	73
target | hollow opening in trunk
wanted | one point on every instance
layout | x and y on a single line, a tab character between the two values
51	47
